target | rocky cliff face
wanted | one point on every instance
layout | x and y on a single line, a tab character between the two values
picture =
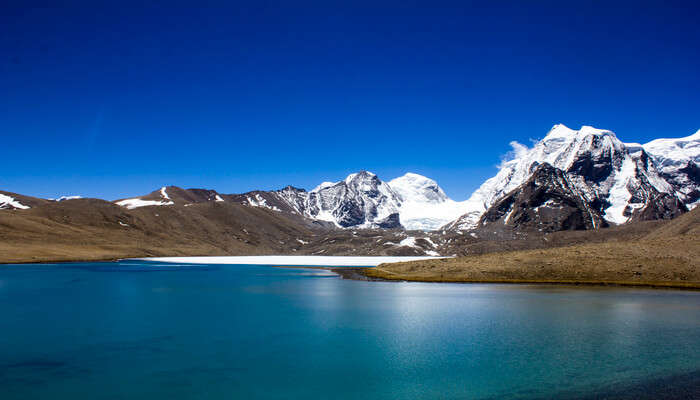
547	202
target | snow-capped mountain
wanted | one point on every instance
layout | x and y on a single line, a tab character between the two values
617	181
596	180
424	205
678	160
362	200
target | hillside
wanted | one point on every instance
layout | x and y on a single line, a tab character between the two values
668	255
91	229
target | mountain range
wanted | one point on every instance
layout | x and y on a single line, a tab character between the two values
569	180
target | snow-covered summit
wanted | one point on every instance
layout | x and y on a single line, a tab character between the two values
670	151
360	200
599	165
363	200
679	163
414	187
424	205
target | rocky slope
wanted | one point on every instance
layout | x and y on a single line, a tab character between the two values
547	202
93	229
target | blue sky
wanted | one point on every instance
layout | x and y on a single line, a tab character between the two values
116	100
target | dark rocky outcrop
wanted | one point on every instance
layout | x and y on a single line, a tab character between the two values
546	202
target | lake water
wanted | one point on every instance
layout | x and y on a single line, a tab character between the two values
165	331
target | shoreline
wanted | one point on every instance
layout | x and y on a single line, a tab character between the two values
365	274
374	274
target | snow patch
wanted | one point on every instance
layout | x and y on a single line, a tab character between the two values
259	201
62	198
10	202
409	241
619	194
136	203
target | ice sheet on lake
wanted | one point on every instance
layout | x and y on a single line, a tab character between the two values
329	261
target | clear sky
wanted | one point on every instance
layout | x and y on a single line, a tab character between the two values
117	100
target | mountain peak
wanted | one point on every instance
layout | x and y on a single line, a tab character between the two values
561	131
424	205
595	160
362	176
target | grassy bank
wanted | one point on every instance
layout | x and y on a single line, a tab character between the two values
669	262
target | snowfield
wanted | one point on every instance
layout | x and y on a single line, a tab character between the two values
424	205
324	261
673	158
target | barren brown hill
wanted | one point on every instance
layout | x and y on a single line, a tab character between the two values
668	255
91	229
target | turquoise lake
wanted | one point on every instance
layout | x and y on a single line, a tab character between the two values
134	329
